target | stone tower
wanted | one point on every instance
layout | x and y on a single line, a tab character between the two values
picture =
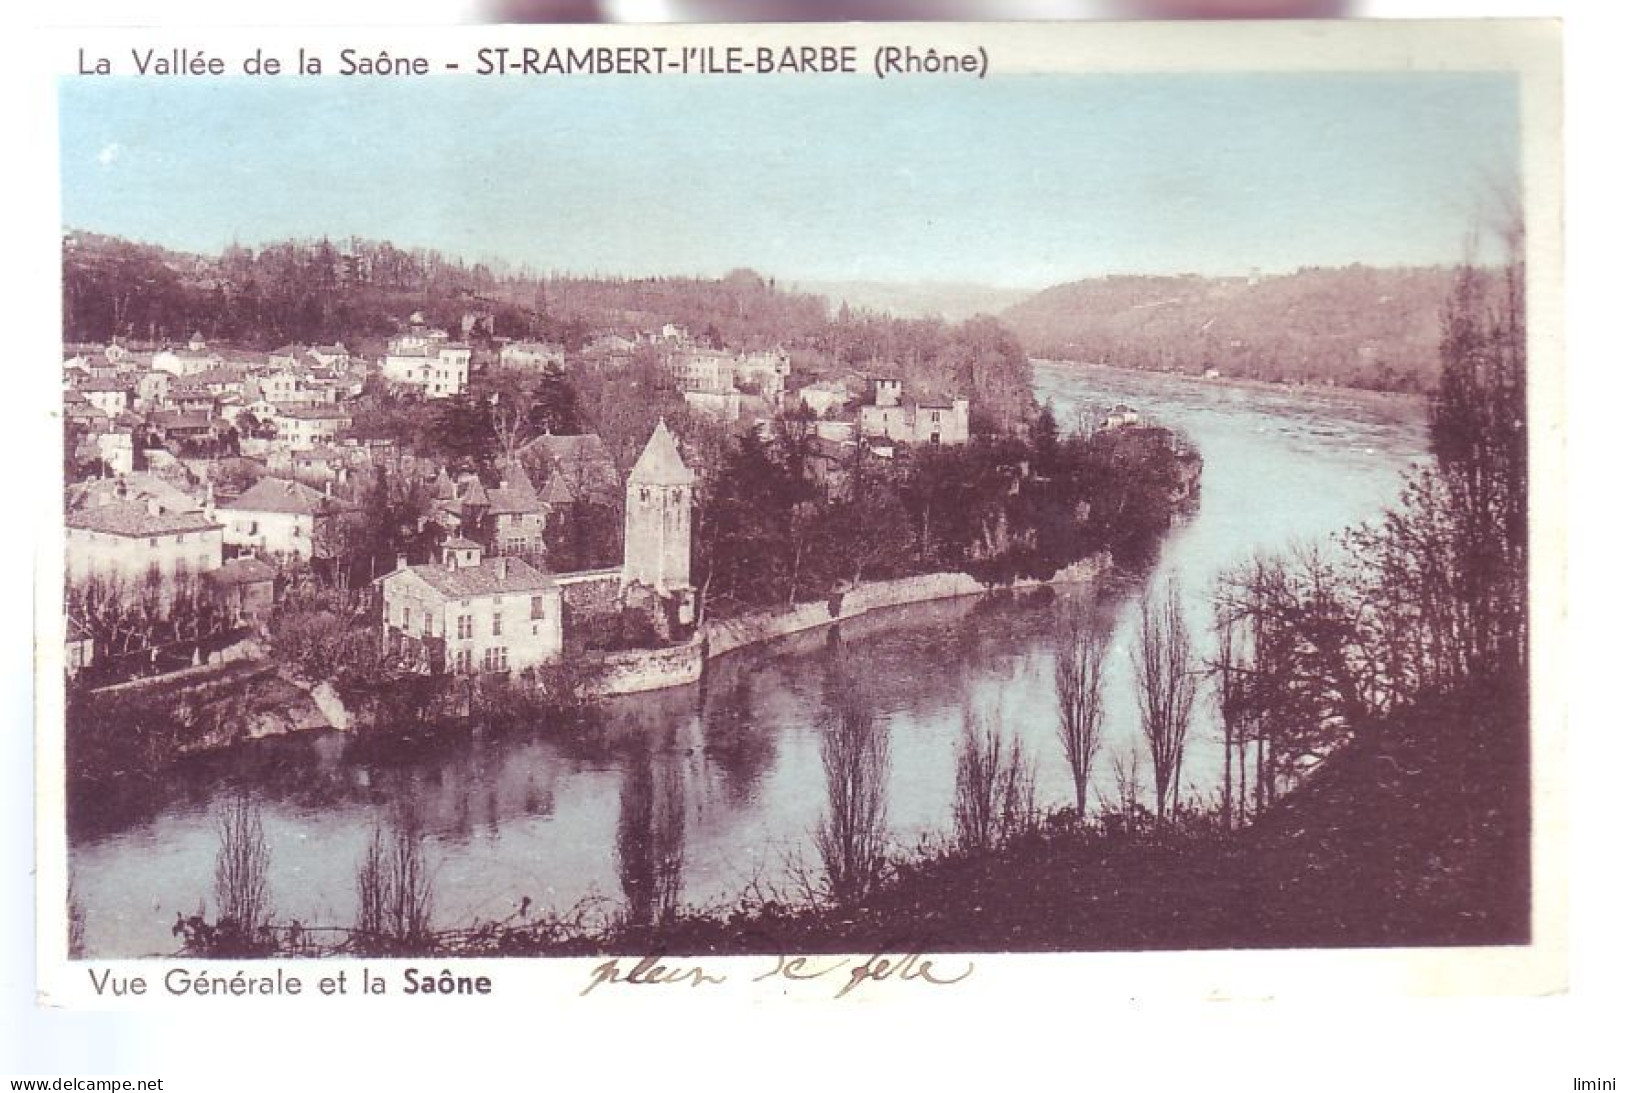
659	517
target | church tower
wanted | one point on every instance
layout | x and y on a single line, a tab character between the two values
659	517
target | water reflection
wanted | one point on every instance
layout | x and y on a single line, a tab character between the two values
685	797
649	836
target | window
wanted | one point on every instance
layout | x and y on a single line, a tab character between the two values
496	624
496	659
464	661
538	607
465	627
406	616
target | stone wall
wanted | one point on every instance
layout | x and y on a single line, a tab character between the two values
637	670
591	592
724	636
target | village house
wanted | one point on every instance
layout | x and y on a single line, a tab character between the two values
334	356
245	588
825	397
611	345
703	370
280	518
110	396
299	427
152	390
888	418
227	379
189	398
518	518
531	356
137	545
469	613
764	373
195	357
428	360
176	426
279	387
288	357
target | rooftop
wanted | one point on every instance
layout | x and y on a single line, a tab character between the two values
661	464
138	519
492	577
281	495
315	412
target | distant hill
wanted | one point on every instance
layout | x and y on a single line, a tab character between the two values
950	300
1355	326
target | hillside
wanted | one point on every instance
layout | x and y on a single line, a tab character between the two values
1356	326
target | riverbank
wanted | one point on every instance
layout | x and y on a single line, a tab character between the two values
1415	835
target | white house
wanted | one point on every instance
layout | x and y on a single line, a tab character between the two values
469	613
300	427
427	359
531	356
888	418
196	357
110	396
278	517
140	545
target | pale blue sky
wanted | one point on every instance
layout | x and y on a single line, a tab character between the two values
1020	181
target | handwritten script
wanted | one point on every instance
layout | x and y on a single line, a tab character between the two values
844	974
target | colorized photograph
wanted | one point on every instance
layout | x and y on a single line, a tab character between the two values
1056	512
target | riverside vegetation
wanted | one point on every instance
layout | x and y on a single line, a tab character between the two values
1373	697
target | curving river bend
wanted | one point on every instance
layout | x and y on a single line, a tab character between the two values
734	764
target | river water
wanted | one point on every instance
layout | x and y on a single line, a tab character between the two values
706	792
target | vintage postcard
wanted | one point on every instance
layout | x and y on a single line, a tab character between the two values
802	511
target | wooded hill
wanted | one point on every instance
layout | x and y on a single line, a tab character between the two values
360	292
1356	326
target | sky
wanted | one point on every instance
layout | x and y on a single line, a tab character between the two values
1016	181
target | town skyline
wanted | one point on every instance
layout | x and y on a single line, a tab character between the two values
1213	175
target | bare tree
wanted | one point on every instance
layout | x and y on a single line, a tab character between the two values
395	894
851	838
994	784
1164	667
242	869
1227	670
1079	658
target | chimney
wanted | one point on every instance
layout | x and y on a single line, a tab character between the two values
153	508
502	569
400	562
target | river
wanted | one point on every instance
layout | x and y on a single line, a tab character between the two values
706	792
